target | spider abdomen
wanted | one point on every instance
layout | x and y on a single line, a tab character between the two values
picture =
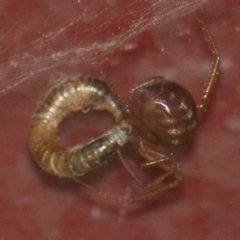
168	111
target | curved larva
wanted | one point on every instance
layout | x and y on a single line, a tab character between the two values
76	94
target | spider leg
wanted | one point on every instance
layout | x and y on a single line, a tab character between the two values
102	193
157	186
128	200
155	157
212	79
167	164
142	86
168	172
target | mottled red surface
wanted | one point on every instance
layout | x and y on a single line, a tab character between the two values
34	205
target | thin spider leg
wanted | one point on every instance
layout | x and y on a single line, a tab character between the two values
131	115
129	200
212	79
174	173
155	192
160	189
157	186
149	155
165	164
134	89
153	162
167	173
140	86
132	174
160	184
102	193
154	158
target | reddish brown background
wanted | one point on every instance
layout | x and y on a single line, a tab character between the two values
36	206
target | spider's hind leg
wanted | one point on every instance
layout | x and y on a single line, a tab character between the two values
169	177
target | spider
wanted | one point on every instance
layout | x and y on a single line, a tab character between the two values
168	118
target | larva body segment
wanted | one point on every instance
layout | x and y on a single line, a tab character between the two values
76	94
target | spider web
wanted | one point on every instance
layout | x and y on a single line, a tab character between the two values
45	35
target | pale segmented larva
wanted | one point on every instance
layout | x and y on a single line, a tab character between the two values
75	94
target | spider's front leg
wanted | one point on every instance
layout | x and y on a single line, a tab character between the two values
170	176
158	157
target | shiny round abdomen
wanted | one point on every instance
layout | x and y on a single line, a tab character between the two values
167	110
